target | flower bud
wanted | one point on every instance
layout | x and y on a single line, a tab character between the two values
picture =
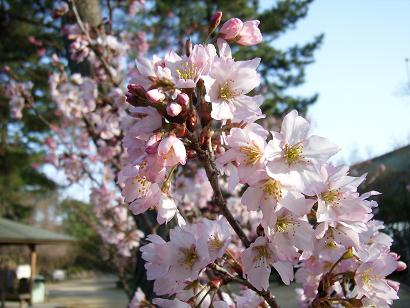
215	21
136	89
155	96
173	109
183	99
231	28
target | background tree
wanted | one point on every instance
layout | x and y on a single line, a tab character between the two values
21	151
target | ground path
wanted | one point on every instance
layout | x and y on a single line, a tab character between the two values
101	292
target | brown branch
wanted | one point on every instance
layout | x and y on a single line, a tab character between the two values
270	299
212	174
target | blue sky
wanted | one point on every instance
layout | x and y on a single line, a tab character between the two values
359	73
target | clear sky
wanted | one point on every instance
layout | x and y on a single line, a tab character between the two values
359	73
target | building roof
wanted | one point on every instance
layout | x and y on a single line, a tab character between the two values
384	168
12	232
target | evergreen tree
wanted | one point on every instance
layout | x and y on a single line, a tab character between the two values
21	182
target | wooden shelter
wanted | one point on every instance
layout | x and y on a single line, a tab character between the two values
14	233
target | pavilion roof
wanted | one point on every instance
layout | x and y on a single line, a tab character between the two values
12	232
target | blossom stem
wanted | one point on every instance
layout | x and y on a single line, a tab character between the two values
212	175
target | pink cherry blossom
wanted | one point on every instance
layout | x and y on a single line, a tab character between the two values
216	234
291	153
172	150
250	34
186	255
186	71
257	260
231	28
227	86
370	278
270	195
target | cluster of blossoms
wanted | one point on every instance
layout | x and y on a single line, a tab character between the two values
192	141
304	215
18	92
115	226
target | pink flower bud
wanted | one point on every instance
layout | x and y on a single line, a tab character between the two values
215	21
136	89
173	109
183	99
151	146
231	28
250	34
155	96
401	266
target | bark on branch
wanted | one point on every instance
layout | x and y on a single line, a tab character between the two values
212	174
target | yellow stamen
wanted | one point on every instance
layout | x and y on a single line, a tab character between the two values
293	153
330	197
190	256
253	154
272	188
187	70
368	276
225	92
215	242
143	184
262	252
282	224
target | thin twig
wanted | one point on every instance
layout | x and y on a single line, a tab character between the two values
228	276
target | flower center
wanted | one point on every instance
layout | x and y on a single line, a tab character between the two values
282	224
189	256
330	196
292	153
368	276
215	242
272	188
143	184
186	70
262	252
225	91
253	154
